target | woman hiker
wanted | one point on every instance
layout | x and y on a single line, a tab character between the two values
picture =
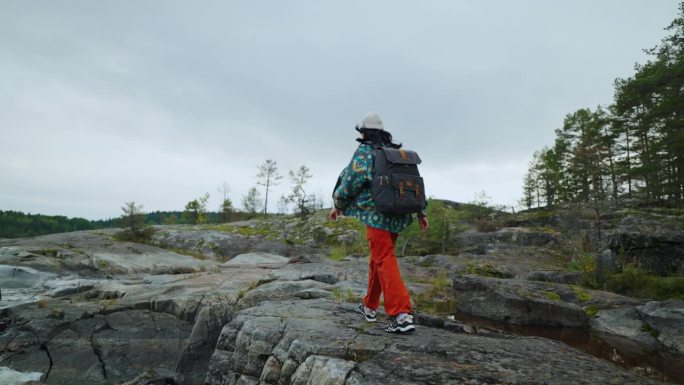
352	197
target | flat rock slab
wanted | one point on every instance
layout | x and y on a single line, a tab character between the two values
17	277
519	302
257	259
321	342
13	377
92	254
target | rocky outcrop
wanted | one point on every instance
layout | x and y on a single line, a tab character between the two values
89	254
320	342
98	311
246	237
93	347
480	243
652	244
556	276
519	302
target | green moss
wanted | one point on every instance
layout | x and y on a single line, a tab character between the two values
591	311
191	253
56	313
582	295
47	252
338	253
262	229
484	270
108	302
546	230
648	329
253	285
551	295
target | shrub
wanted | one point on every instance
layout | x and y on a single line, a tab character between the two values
487	225
141	235
445	221
340	296
339	252
636	282
439	298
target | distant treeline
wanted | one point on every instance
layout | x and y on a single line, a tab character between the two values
633	148
16	224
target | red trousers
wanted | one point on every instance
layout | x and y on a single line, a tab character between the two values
383	274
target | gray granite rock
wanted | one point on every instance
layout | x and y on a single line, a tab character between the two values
13	377
653	244
666	318
278	290
634	336
319	342
17	277
519	302
556	276
258	258
194	359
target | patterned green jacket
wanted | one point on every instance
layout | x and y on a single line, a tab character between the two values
353	193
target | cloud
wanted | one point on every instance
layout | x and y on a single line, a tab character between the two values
161	101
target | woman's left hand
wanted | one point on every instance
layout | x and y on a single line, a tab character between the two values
334	213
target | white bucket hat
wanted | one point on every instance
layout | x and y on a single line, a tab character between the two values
371	120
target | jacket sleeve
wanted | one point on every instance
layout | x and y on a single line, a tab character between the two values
352	180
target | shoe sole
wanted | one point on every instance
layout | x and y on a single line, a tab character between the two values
401	330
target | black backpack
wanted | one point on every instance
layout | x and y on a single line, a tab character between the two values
397	185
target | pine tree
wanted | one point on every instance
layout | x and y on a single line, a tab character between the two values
299	197
268	177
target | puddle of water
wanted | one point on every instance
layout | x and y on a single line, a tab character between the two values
662	366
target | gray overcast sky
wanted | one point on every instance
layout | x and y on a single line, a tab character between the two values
161	101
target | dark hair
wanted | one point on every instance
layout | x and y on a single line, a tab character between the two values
377	138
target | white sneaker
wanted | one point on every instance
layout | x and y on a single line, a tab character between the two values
367	313
403	323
